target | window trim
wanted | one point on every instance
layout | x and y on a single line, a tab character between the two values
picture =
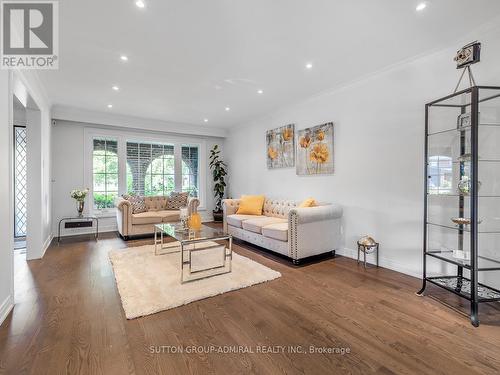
113	139
123	137
199	164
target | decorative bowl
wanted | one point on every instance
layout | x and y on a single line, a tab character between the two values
463	220
367	241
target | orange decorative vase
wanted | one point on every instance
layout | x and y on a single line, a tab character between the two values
195	221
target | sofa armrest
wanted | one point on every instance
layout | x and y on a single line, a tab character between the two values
314	230
320	213
192	205
123	216
229	207
120	203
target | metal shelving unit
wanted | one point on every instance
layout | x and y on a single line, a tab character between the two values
462	184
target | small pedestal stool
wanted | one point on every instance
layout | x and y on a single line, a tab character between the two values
367	245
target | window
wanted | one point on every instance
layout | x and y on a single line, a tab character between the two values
440	174
150	168
20	183
190	175
105	172
117	162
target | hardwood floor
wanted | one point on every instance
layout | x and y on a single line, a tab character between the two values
68	319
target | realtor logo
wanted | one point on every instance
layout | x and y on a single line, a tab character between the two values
29	35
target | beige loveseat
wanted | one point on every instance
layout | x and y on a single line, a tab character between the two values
130	224
286	229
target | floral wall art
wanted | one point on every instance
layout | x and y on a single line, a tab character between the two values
315	150
280	144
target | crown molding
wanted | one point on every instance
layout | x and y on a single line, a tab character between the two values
67	113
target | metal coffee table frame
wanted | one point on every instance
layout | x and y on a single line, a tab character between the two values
189	246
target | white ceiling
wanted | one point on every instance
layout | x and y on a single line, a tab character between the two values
189	59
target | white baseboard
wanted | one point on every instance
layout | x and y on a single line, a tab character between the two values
5	308
46	244
383	262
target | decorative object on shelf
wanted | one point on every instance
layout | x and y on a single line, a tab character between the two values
79	196
367	245
464	185
219	173
280	146
464	285
464	121
465	157
461	220
465	57
315	150
461	254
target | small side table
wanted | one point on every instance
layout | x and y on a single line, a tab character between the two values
368	249
79	222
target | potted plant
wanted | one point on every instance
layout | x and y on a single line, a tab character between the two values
218	168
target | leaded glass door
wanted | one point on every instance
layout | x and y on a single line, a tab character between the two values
20	191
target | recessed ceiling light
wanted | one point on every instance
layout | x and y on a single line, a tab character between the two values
227	109
309	66
420	7
124	58
205	120
116	88
140	4
110	105
260	91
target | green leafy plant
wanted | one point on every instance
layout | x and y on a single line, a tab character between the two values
102	201
218	168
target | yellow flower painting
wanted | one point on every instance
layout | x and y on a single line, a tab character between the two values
280	144
315	150
272	153
319	153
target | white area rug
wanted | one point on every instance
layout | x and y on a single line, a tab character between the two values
149	284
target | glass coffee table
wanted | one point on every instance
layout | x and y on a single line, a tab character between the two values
201	256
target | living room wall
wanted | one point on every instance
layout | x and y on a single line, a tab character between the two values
6	213
378	150
68	157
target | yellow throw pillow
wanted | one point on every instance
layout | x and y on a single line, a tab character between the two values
309	202
251	205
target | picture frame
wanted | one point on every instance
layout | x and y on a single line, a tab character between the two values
315	150
280	147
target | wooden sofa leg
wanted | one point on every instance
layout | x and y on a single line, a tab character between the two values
126	238
334	254
296	262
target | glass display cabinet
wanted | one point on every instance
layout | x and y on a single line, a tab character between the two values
461	249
